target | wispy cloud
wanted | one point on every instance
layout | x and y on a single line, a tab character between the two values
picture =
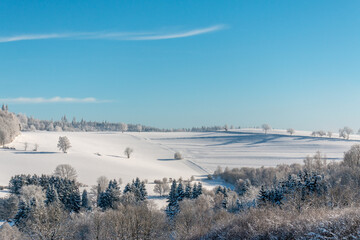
24	100
120	36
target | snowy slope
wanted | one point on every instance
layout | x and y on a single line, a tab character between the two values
149	161
250	147
153	153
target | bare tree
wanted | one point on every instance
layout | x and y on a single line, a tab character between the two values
266	127
291	131
329	134
64	144
103	183
161	188
25	146
226	128
128	151
65	171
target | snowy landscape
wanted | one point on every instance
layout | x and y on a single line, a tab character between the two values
179	120
95	154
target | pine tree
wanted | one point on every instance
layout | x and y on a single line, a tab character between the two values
84	200
188	191
143	192
51	194
22	213
173	205
180	192
198	190
75	201
194	191
263	196
127	188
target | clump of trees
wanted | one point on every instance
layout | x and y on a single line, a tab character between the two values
345	132
9	126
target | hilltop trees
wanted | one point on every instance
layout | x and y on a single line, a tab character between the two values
64	144
291	131
345	132
266	127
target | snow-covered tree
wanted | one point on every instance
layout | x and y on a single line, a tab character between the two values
291	131
64	144
266	127
124	127
345	132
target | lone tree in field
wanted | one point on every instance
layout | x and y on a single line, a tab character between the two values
64	144
128	151
266	127
291	131
178	156
65	171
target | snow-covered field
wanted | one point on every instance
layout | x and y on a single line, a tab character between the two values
97	154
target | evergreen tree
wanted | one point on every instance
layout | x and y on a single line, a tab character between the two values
173	205
127	188
51	194
85	200
22	213
193	194
143	192
263	196
188	191
110	197
180	192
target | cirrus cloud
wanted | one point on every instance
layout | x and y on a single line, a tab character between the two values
119	36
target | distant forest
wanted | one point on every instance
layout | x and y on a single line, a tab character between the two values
32	124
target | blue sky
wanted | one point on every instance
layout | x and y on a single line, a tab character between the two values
184	63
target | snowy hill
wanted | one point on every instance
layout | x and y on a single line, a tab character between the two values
96	154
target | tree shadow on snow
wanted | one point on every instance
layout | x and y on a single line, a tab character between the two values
34	152
167	159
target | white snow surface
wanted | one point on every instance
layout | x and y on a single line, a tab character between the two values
94	154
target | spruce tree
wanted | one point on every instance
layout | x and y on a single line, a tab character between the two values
188	191
84	200
173	205
180	192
